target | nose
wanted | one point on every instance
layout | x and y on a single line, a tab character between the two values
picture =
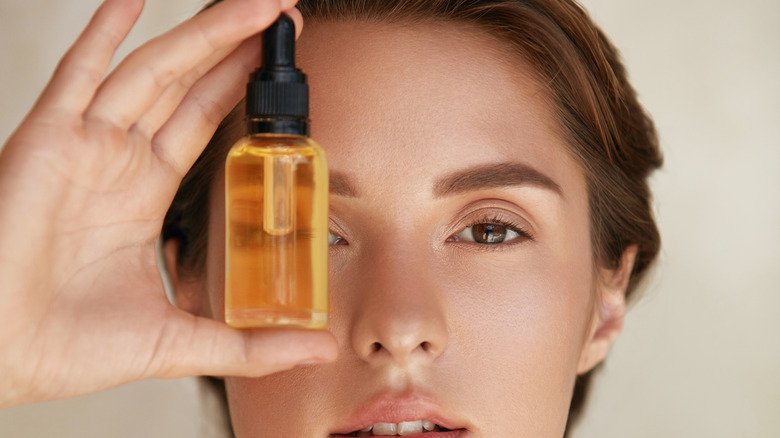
399	312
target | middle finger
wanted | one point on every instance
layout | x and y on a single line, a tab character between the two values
137	83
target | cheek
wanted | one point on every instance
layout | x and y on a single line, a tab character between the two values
527	302
524	317
291	403
250	410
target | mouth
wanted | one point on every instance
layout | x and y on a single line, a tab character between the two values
413	415
404	428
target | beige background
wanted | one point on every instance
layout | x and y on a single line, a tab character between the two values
700	356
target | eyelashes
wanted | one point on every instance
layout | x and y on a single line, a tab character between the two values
495	230
485	230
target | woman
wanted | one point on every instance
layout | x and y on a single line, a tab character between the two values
491	217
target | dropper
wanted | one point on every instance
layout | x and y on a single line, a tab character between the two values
277	99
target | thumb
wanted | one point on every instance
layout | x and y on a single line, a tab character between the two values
195	346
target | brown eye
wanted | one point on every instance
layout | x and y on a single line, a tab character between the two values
487	233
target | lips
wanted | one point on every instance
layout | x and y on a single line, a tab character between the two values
412	415
404	428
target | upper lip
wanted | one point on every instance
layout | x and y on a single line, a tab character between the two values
395	408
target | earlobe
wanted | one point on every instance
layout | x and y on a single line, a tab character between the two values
609	311
186	293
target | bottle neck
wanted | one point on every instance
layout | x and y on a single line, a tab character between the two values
278	125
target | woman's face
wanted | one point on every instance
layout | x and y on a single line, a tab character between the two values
463	288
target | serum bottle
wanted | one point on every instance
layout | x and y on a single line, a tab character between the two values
276	217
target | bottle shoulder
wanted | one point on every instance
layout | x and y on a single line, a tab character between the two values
276	144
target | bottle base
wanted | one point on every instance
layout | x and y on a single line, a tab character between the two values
252	318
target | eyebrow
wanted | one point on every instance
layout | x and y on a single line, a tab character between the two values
340	185
492	176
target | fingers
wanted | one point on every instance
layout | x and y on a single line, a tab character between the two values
215	349
181	140
166	104
132	89
82	68
191	114
295	14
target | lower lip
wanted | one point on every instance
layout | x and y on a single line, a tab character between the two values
460	433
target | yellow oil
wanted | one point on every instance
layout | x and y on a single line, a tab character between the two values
276	233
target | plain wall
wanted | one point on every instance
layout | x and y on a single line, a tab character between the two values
700	355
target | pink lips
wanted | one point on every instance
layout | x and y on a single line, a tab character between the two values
394	408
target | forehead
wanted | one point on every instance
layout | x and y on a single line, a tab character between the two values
425	96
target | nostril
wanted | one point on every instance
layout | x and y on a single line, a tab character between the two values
426	346
376	346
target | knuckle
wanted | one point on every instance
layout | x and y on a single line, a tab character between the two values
75	68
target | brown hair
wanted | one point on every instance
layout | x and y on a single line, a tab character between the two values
607	129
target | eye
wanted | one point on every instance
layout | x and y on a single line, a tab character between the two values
335	239
490	232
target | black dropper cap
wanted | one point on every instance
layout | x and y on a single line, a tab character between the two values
277	98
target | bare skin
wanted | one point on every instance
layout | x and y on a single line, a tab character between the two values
437	130
424	318
85	182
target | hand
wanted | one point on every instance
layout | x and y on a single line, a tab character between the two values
85	182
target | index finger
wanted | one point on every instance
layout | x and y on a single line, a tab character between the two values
142	77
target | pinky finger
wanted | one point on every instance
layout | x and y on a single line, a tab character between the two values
83	67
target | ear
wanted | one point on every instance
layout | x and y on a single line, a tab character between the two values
609	311
186	292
